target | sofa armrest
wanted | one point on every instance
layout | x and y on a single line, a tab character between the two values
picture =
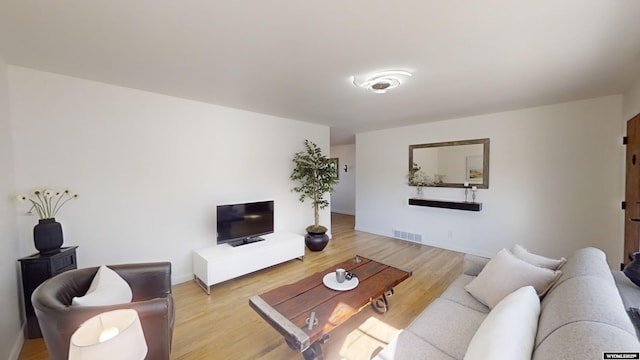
473	264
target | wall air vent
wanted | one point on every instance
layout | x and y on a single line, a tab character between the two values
405	235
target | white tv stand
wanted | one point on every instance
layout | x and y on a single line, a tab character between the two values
220	263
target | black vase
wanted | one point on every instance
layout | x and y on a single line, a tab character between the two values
47	236
633	269
316	241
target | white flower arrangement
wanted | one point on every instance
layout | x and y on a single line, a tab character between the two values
47	202
418	178
421	179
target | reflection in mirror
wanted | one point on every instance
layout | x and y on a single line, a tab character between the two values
450	164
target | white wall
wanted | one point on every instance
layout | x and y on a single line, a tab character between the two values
11	337
150	169
343	197
554	181
631	101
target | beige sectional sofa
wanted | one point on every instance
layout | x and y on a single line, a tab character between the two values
582	316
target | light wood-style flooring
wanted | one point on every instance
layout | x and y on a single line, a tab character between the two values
223	326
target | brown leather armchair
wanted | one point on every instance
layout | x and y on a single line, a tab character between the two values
152	299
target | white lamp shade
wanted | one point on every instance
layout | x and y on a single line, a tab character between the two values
124	340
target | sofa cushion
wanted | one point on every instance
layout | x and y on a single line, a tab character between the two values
508	332
504	274
448	326
107	288
582	299
456	292
408	346
538	260
582	340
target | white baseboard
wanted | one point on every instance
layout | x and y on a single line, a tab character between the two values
460	249
182	278
17	345
344	212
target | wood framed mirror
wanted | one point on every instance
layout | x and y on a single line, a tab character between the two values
451	164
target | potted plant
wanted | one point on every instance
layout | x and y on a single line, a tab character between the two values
316	175
47	234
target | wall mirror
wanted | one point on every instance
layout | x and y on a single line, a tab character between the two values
450	164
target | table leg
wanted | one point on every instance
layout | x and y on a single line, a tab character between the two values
381	304
314	352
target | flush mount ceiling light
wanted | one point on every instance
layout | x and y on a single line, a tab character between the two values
381	81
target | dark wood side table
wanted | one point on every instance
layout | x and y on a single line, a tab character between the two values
36	269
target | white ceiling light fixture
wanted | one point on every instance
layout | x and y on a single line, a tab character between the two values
381	81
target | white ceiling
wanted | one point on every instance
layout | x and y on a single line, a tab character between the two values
295	58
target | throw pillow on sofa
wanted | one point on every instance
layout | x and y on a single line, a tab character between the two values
538	260
509	331
504	274
107	288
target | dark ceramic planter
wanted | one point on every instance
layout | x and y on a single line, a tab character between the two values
633	269
316	241
47	236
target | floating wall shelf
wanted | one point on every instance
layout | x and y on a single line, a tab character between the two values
456	205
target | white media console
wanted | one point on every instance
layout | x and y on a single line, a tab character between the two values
220	263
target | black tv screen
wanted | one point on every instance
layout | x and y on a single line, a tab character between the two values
243	223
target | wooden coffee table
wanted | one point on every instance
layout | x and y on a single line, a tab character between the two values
290	308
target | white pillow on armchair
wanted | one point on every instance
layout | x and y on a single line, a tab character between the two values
107	288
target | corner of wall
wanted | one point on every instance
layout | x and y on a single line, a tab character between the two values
9	283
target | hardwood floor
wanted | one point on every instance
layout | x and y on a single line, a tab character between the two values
223	326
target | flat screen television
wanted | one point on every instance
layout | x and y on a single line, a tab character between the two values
240	224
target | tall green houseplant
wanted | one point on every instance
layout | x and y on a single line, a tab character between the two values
316	175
